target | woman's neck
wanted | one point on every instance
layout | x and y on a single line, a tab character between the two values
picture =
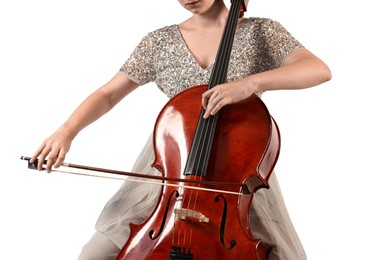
214	17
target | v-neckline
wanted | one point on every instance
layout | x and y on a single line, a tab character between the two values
192	55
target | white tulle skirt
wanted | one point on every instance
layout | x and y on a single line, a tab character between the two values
135	201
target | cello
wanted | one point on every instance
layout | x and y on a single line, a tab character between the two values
211	169
225	159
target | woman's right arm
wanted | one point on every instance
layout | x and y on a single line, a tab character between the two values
55	147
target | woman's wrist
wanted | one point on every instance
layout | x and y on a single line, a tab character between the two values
68	131
255	84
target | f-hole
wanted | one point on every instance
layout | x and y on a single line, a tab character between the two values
152	232
232	243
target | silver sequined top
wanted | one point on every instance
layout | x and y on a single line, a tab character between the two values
162	56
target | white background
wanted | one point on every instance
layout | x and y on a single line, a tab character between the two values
334	164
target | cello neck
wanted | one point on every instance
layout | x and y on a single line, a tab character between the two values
199	154
220	67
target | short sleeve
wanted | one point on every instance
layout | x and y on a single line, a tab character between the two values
139	67
278	41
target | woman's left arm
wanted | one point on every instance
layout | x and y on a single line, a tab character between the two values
301	69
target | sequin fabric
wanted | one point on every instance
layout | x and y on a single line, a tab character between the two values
162	56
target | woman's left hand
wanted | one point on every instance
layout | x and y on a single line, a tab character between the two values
227	93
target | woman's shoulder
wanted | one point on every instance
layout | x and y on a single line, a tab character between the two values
163	31
262	21
265	26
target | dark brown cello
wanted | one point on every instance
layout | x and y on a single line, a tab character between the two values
235	150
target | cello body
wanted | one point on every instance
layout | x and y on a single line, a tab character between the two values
199	224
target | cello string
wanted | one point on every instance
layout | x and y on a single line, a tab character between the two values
207	126
222	61
218	76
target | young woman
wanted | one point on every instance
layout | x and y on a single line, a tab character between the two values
264	57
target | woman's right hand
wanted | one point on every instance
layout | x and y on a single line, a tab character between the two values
53	149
